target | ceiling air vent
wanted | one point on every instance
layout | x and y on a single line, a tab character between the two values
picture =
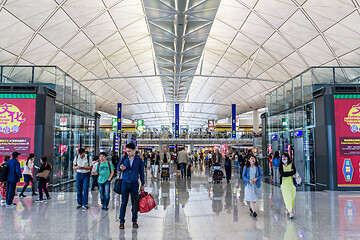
319	92
5	88
345	89
50	92
24	89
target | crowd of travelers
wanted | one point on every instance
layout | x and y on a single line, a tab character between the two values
132	167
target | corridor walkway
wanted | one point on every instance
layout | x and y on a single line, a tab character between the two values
189	209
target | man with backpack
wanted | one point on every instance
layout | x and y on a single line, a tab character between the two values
106	171
13	177
83	165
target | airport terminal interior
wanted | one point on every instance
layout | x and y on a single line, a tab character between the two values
225	119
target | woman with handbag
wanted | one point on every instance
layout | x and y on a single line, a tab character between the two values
42	176
29	165
287	170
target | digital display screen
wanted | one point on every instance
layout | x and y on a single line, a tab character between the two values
347	130
17	125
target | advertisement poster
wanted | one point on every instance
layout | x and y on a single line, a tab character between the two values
17	125
347	130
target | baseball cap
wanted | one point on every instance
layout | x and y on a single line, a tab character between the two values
15	154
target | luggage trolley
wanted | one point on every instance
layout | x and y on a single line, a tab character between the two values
217	173
165	172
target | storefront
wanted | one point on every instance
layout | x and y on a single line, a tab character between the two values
294	121
74	122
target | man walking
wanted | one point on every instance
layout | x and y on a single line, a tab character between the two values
83	165
216	157
133	168
182	158
13	177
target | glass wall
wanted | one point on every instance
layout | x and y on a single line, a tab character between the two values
74	114
291	115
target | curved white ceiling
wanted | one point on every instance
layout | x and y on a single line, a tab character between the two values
107	46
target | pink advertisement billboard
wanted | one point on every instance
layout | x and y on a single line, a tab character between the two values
17	125
347	129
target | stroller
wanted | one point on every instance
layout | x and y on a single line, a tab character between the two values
217	173
165	172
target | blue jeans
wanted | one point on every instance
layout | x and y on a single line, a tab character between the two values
82	185
10	192
183	169
104	189
126	189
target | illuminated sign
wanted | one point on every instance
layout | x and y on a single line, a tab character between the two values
119	109
177	120
348	170
347	125
285	124
274	137
91	124
63	121
17	125
233	120
114	124
298	133
211	125
140	125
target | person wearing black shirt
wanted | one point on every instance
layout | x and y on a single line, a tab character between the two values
42	181
228	166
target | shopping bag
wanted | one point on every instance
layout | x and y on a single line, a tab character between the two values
146	203
297	179
117	186
43	174
151	202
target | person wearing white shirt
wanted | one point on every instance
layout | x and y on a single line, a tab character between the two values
27	173
83	165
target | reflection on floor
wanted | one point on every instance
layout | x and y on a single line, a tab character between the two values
189	209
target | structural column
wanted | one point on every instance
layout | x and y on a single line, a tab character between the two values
256	121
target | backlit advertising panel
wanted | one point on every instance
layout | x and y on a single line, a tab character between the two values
17	125
347	130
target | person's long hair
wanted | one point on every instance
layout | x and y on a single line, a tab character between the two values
277	155
248	161
31	155
288	158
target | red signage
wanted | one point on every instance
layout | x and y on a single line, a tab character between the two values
17	126
211	125
347	130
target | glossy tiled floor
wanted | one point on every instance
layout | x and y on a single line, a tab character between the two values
189	209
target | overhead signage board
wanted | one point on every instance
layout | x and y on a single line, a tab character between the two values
140	125
114	124
177	120
233	120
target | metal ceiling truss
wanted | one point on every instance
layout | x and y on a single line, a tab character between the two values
179	30
186	78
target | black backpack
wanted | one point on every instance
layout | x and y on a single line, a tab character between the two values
3	172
